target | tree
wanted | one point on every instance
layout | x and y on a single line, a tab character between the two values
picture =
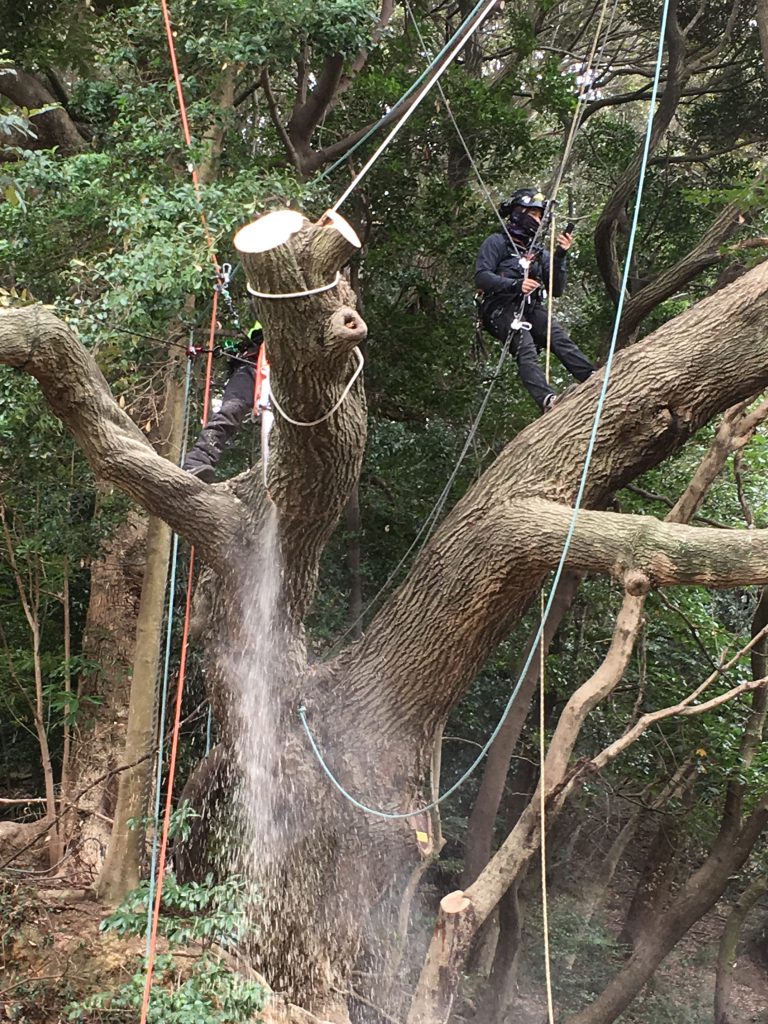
469	585
481	571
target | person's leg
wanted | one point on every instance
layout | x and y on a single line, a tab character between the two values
236	404
531	373
572	358
524	350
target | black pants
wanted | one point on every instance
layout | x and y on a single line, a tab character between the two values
236	405
530	343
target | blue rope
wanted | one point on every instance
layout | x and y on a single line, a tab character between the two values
166	671
209	731
388	116
577	505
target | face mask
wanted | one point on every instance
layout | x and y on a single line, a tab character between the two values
523	226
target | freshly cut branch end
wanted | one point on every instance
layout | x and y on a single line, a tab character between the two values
636	583
269	231
332	219
455	903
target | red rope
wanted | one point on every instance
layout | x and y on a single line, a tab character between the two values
152	950
185	130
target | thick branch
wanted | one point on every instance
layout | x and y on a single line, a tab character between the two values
36	341
53	127
608	223
668	554
485	563
706	253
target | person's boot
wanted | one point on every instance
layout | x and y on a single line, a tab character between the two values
202	471
552	400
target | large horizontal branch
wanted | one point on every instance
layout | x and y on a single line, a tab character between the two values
485	563
34	340
631	547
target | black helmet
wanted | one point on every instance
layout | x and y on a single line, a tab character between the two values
528	198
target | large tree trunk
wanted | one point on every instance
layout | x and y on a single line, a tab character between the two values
376	709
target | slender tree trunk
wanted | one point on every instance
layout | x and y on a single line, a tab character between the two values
53	838
500	995
658	874
482	820
99	732
64	792
694	899
729	940
121	871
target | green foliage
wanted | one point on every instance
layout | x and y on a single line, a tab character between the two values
198	991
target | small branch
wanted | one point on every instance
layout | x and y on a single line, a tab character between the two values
75	801
277	120
243	95
692	629
664	499
738	473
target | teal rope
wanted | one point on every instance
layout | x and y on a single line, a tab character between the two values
388	116
579	496
166	670
209	731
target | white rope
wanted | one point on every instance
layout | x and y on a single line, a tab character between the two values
345	392
295	295
412	109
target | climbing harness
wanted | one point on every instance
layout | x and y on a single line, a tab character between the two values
302	710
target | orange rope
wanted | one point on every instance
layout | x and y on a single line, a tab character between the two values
151	952
186	132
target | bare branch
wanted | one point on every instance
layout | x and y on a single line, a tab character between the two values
277	120
36	341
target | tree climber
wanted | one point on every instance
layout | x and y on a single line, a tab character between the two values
236	404
512	273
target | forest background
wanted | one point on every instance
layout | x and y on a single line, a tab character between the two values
99	222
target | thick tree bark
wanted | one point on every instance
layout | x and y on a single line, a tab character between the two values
53	128
466	590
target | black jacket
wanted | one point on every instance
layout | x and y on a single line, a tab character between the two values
498	272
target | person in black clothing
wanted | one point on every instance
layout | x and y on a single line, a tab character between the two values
513	279
237	403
